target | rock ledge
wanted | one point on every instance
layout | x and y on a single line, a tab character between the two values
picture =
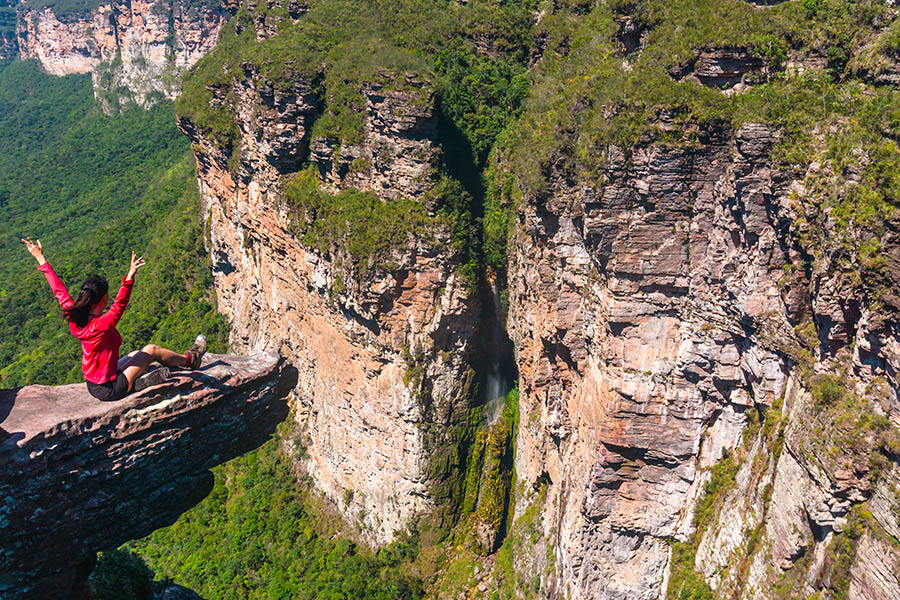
79	476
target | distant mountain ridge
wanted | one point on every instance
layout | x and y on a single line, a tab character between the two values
136	51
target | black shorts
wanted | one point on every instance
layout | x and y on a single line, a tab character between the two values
111	390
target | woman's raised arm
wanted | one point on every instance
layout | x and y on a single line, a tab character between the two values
112	316
59	289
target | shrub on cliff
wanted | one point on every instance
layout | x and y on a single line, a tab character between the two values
353	223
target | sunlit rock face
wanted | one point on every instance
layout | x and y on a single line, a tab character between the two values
136	50
383	355
653	312
78	476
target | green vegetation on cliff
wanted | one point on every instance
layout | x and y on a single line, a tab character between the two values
473	54
92	188
66	10
262	535
353	222
685	583
468	61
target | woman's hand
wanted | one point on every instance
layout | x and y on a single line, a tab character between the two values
136	263
36	250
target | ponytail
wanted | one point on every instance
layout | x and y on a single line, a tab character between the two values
92	291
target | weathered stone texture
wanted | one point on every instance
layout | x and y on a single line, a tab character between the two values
383	358
650	311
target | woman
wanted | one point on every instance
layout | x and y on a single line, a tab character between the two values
109	377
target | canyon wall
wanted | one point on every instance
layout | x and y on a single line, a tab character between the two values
382	342
653	317
704	331
136	51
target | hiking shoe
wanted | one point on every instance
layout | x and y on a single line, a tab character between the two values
154	377
195	354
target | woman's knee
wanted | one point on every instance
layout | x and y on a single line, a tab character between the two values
151	349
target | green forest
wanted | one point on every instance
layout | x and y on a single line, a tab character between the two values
262	535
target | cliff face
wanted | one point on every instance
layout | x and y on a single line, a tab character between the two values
80	476
651	318
136	51
707	361
703	278
382	345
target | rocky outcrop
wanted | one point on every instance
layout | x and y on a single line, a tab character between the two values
79	475
398	155
382	348
177	592
136	50
726	68
653	315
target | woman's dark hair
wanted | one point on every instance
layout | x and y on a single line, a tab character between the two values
92	291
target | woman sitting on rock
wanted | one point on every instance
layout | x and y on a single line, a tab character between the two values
109	377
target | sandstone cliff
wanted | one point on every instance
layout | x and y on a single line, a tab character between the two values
705	345
702	269
80	476
380	325
651	321
136	51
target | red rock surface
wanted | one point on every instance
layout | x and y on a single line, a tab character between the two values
79	476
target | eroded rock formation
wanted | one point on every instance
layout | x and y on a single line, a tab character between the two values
727	68
652	316
79	476
136	50
383	354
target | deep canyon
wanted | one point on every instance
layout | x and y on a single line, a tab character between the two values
679	244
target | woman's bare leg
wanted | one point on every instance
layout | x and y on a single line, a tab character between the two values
146	356
164	356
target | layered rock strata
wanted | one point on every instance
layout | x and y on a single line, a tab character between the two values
80	476
727	68
653	314
382	349
136	50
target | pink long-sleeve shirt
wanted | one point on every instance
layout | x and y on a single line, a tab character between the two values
100	341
